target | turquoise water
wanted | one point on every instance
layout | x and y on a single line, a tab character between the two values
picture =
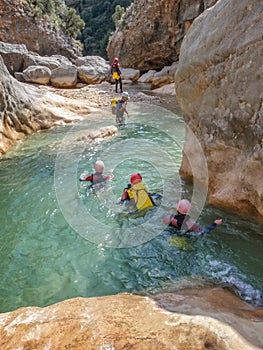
59	240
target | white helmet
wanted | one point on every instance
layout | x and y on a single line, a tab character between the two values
99	166
125	94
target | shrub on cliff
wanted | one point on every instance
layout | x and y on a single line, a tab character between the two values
60	16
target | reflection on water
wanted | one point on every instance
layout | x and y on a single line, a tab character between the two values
60	240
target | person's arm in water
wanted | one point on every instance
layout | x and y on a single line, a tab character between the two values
125	195
123	107
195	227
169	220
85	178
211	227
192	226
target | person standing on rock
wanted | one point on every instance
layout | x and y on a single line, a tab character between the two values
116	74
121	109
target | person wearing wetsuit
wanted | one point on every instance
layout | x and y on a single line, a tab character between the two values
116	73
98	177
121	109
182	220
137	194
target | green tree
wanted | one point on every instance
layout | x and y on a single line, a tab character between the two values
60	16
72	23
99	23
117	16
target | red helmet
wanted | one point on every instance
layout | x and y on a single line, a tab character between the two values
135	178
184	206
116	59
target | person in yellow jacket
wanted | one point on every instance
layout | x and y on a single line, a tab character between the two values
116	73
137	194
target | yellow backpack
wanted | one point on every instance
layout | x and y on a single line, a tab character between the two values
139	194
114	104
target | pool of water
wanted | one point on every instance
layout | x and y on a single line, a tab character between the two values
59	239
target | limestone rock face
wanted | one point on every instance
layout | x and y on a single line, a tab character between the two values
92	69
52	62
19	26
114	322
37	74
151	33
17	58
219	85
13	56
64	76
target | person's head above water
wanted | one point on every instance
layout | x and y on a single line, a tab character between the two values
183	206
135	178
125	95
99	166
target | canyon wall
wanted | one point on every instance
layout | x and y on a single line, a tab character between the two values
151	32
219	85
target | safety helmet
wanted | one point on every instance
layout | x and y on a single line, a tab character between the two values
116	59
184	206
135	178
99	166
125	94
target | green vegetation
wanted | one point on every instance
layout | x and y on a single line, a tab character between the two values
60	16
101	19
91	22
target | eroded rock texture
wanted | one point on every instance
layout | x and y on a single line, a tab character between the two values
219	84
25	109
117	322
151	33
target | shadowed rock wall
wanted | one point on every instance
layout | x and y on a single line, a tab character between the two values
151	33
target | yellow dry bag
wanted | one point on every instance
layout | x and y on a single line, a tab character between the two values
139	194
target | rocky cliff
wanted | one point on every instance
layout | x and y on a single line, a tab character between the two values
219	84
18	25
151	33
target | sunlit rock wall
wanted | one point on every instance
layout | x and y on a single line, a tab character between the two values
115	322
219	84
